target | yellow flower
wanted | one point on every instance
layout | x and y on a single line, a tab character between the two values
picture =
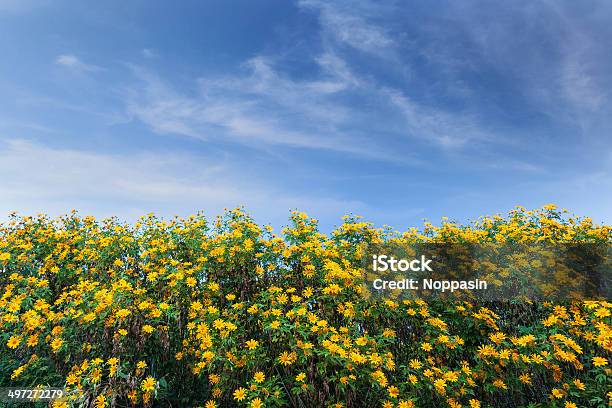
133	396
415	364
600	361
148	329
210	404
148	384
100	401
393	391
440	384
451	376
579	384
32	340
287	358
300	377
252	309
123	313
240	394
252	344
557	393
361	341
256	403
259	377
569	404
13	342
388	333
89	317
96	376
18	371
72	379
56	344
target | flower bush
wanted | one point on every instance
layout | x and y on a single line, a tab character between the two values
192	312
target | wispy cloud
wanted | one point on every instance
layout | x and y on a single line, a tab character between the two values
359	24
332	111
580	74
553	54
149	53
74	63
347	23
447	130
260	106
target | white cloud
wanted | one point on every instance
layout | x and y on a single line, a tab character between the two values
149	53
578	80
347	23
72	62
260	108
353	23
53	180
447	130
264	108
555	57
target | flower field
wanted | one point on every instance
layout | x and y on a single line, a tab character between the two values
224	312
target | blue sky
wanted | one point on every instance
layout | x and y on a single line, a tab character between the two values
397	111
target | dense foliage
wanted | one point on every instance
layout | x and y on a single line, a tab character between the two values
191	312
